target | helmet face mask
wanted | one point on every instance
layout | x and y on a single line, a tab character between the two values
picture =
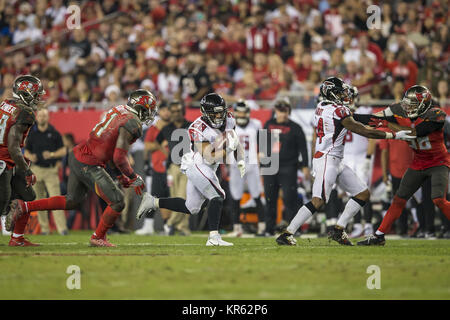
416	101
29	90
143	103
214	110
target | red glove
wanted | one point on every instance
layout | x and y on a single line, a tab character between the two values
377	123
138	184
124	181
30	178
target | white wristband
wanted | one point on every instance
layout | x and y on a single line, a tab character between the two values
389	135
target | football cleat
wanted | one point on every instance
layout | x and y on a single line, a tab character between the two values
15	212
148	204
216	240
100	242
21	242
286	239
340	236
373	240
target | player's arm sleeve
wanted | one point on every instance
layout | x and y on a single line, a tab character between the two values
134	128
427	127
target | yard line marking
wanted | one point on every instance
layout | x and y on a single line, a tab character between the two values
39	254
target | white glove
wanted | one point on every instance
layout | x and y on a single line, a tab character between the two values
241	166
403	135
232	141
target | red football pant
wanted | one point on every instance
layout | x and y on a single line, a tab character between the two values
393	213
107	221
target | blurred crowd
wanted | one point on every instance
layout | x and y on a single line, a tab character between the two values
241	49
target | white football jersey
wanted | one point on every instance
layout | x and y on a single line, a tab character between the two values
330	132
248	137
200	131
355	144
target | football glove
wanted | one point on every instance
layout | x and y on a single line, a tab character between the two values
403	135
124	181
232	141
138	184
30	177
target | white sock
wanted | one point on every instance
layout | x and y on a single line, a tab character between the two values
16	235
148	224
302	215
261	227
237	227
414	214
378	233
213	233
351	209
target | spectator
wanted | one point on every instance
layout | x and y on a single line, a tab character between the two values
175	179
45	149
169	80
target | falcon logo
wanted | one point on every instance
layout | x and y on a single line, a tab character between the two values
327	85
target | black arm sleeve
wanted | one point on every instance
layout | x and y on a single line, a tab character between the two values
366	118
425	128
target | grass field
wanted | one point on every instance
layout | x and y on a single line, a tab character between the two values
158	267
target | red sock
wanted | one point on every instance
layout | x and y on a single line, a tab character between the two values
444	205
21	223
53	203
393	213
107	221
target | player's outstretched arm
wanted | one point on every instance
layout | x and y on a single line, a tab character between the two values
350	124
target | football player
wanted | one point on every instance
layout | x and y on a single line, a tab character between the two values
247	131
332	120
418	113
108	144
212	138
17	115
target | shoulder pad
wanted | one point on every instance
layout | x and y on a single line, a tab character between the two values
134	127
25	116
397	110
435	114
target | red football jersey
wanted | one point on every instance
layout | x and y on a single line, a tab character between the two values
429	151
99	148
10	114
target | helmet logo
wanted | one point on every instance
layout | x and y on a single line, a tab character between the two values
422	96
143	100
26	85
327	85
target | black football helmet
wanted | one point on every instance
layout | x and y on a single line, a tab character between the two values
335	90
243	117
29	90
416	101
214	110
142	103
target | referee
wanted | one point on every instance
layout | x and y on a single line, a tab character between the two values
285	138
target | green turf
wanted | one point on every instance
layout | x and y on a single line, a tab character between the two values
157	267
